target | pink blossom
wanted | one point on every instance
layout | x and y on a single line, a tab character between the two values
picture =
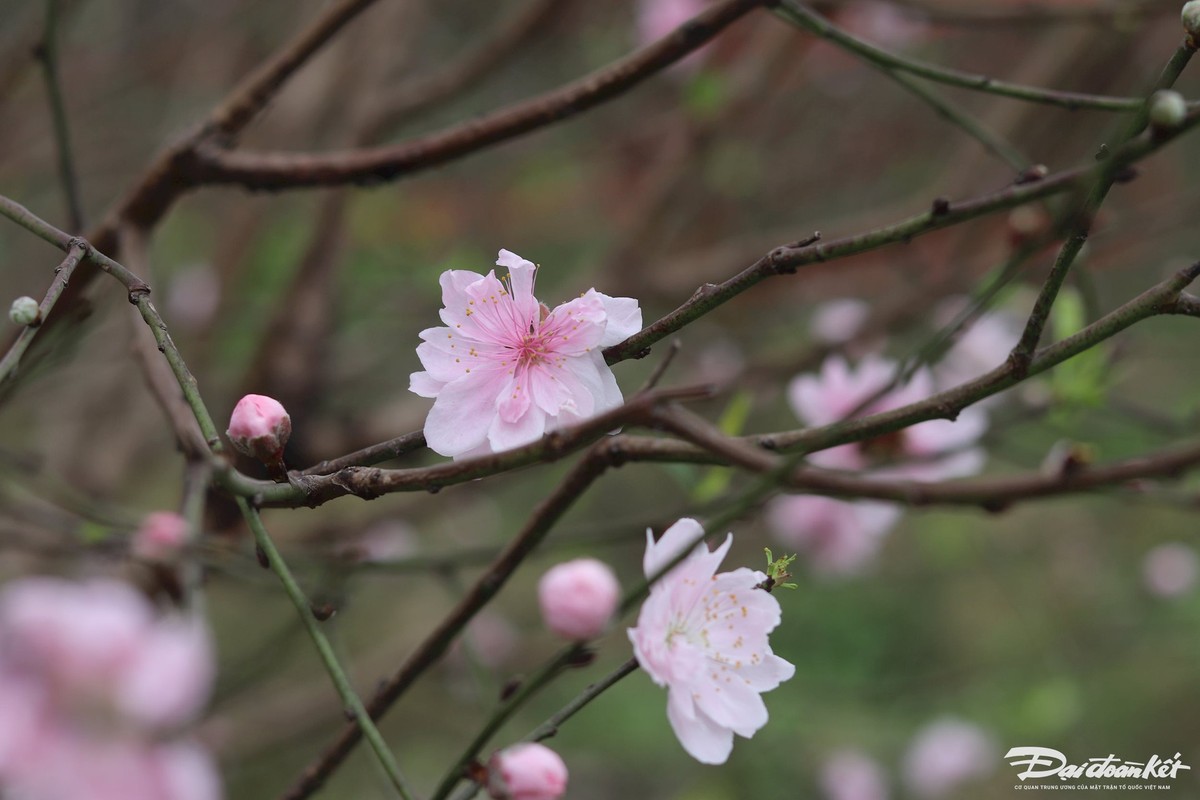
980	347
161	536
837	538
505	370
704	636
526	771
927	451
945	755
659	18
93	684
1170	570
838	321
578	597
260	427
884	24
852	775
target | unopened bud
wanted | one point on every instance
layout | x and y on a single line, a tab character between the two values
1167	110
24	311
259	427
1190	16
578	598
527	771
160	537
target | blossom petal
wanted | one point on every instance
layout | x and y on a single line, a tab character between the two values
505	434
521	274
463	412
424	385
575	327
454	284
624	318
703	739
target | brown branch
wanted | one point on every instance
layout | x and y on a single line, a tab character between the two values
591	467
422	93
275	171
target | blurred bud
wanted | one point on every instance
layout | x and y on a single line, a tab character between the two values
1167	110
578	598
526	771
852	775
839	321
24	311
259	427
1026	224
1067	459
160	537
1170	570
1190	16
945	755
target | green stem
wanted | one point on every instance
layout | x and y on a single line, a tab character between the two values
1078	216
48	55
338	675
798	14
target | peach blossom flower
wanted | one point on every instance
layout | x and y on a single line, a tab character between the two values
927	451
259	427
704	636
853	775
947	754
1170	570
504	369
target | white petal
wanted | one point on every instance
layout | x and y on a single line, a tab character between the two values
702	738
624	318
463	412
529	427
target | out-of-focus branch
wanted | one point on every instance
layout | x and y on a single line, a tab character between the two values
470	67
273	171
47	54
798	14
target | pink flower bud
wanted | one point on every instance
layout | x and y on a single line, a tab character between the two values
161	536
259	428
578	598
526	772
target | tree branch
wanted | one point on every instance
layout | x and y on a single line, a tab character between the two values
274	171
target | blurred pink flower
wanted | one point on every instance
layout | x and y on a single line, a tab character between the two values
704	636
578	598
526	771
193	297
947	754
161	536
1170	570
382	542
505	369
838	321
92	682
884	24
928	451
836	538
981	347
259	427
492	638
659	18
853	775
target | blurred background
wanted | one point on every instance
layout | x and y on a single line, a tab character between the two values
1062	623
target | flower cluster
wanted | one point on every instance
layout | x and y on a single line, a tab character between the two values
93	687
505	369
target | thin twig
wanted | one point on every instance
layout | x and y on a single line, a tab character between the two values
47	54
275	171
341	681
76	250
798	14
